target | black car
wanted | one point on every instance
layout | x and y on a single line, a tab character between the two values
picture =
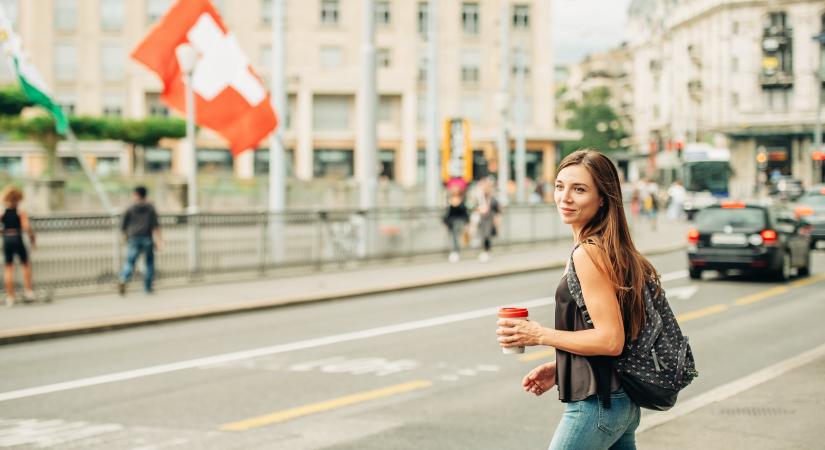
811	208
749	238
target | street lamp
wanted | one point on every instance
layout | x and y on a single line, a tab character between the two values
820	77
187	59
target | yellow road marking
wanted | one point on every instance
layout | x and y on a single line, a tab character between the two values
701	313
748	299
292	413
549	353
809	280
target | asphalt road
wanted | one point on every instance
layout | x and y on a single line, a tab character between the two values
410	370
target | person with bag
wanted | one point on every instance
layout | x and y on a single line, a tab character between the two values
15	222
618	346
455	219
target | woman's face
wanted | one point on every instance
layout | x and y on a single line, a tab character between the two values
576	195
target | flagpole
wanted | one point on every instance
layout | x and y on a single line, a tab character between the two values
277	168
187	58
431	156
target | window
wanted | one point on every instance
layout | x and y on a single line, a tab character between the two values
111	14
67	103
469	18
113	105
12	165
521	17
214	160
266	57
10	6
154	106
65	62
386	158
113	62
65	15
422	68
521	62
421	110
329	12
777	99
262	161
157	160
388	106
734	100
331	112
382	13
734	28
266	13
382	57
155	9
523	110
471	108
734	64
333	164
331	57
470	62
423	18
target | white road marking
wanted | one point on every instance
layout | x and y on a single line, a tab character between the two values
730	389
674	275
49	433
265	351
682	292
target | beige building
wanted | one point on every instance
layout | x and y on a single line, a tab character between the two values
736	74
82	47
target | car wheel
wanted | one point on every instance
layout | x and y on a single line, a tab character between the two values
806	270
784	271
695	274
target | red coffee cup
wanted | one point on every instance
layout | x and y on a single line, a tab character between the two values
513	314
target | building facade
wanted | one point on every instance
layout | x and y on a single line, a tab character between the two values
82	49
737	74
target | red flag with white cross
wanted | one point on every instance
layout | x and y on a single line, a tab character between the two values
229	97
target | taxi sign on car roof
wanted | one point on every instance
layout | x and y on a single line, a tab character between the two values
732	205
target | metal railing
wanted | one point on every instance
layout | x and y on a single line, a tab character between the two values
77	252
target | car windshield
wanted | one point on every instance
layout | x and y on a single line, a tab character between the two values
739	218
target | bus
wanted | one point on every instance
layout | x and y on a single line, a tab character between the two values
706	173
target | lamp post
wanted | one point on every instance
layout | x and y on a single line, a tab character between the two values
187	59
820	77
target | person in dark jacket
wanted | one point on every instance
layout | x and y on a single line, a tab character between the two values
15	222
141	232
456	218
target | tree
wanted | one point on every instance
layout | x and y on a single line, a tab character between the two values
12	101
599	124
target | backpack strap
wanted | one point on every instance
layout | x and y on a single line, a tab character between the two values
576	288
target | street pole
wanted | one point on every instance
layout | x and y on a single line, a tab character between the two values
277	168
503	103
520	117
820	77
187	58
432	106
366	155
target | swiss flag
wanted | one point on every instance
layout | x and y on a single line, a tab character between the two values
229	96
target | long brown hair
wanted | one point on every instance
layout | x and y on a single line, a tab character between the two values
626	268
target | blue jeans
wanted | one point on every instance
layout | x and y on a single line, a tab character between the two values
586	424
134	247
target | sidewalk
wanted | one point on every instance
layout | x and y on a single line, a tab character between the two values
783	411
109	311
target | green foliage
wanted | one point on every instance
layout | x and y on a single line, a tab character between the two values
12	100
598	123
151	130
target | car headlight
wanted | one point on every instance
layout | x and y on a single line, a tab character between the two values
755	239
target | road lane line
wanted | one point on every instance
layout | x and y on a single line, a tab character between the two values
730	389
748	299
673	275
809	280
266	351
532	356
328	405
684	317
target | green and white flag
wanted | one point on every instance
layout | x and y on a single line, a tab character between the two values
30	80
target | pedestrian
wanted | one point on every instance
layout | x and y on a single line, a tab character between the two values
611	276
650	204
16	222
489	214
456	218
141	232
676	194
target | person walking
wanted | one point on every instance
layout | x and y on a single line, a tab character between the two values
609	272
456	218
16	222
141	231
489	217
676	194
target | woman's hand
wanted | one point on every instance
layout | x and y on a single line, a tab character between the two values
516	333
541	379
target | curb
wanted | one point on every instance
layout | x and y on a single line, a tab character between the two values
28	334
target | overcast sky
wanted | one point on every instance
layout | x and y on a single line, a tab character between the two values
587	26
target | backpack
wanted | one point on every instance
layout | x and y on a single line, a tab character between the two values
656	366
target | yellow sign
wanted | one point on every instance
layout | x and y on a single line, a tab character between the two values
456	150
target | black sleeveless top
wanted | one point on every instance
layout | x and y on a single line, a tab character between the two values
577	376
11	220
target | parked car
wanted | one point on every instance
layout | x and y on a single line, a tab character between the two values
810	207
788	188
750	238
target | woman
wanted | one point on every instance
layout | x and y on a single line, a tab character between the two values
611	273
456	218
489	217
15	223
